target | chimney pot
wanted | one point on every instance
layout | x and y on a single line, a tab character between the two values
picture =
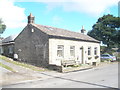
83	31
31	18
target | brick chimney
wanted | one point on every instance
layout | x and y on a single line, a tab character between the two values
31	18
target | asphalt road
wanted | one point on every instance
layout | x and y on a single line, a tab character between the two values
99	77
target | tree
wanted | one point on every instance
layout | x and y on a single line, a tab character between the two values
107	30
2	26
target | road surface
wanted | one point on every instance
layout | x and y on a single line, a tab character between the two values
99	77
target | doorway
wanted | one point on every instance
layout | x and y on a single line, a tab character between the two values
81	55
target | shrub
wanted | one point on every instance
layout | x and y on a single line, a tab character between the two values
96	57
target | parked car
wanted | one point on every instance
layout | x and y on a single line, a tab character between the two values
108	57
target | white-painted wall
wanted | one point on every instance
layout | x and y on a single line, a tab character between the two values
53	43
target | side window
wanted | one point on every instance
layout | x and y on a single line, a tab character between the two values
95	51
60	51
89	50
72	51
10	50
1	50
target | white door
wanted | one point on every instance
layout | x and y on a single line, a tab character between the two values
81	55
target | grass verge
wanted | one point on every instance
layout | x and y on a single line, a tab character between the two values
22	64
6	67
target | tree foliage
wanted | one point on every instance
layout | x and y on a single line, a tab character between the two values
107	30
2	26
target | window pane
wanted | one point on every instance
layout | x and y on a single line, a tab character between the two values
95	50
60	49
72	47
89	51
59	53
72	50
10	50
1	50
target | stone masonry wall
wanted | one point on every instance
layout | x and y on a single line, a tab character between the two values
32	46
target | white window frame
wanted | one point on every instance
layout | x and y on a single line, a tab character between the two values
10	50
89	51
95	51
72	51
60	48
1	50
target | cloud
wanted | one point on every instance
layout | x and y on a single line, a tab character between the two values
57	20
90	7
13	16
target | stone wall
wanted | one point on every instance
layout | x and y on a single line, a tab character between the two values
31	46
56	68
8	50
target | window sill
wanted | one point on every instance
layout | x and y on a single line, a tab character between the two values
89	57
72	57
60	57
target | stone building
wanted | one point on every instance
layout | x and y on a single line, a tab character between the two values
7	46
50	46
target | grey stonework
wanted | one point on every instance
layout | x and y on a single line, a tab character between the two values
32	46
6	50
7	46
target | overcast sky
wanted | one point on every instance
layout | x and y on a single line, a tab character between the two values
67	14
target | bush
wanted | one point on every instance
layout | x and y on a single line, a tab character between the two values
96	57
89	58
107	50
104	60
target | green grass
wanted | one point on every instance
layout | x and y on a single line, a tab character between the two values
22	64
6	67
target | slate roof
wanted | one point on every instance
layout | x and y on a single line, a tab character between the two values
53	31
10	38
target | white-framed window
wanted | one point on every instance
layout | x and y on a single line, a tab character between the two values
95	51
89	50
72	51
10	50
60	51
1	50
